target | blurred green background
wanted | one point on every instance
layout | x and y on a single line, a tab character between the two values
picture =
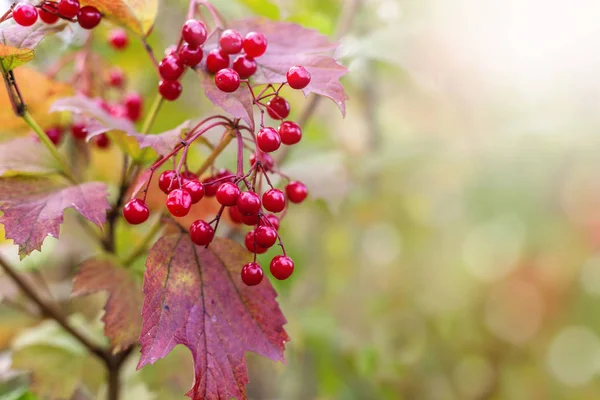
451	250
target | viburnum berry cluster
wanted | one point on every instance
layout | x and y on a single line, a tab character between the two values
25	14
201	288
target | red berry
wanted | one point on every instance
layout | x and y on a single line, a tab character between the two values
201	233
187	176
170	90
118	38
195	189
171	50
265	236
298	77
266	161
252	274
227	80
270	220
250	220
54	134
248	203
216	60
116	77
290	132
89	17
268	139
25	14
244	66
227	194
250	242
278	108
170	68
47	16
235	215
79	130
136	211
102	141
281	267
255	44
231	41
194	32
296	191
68	8
273	200
168	181
133	104
179	202
190	56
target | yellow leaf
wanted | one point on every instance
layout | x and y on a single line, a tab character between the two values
12	57
135	15
38	92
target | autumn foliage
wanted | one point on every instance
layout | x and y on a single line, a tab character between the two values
200	296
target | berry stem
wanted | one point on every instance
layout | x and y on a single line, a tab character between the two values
240	153
64	167
216	16
218	219
152	114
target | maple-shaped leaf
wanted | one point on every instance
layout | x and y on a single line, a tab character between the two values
290	44
33	207
122	317
26	155
238	103
135	15
195	296
39	93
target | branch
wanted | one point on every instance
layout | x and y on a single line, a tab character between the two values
50	311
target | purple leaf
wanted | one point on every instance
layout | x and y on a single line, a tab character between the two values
33	208
195	296
122	319
291	44
238	103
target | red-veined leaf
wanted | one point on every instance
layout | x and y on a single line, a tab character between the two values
194	296
122	317
290	44
33	208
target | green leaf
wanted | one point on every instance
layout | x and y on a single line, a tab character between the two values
12	57
56	360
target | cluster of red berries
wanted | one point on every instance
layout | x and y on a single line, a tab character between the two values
87	17
188	54
228	74
244	207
